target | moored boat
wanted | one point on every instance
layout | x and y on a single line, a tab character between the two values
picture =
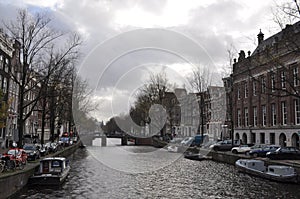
52	171
277	173
195	156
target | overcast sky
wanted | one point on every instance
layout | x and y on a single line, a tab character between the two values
125	40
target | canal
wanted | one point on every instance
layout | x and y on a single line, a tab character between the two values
144	172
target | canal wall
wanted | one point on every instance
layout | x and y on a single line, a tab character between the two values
230	158
12	182
226	157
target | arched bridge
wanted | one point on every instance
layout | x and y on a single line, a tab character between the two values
88	138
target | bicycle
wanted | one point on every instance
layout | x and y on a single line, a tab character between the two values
2	165
19	164
7	164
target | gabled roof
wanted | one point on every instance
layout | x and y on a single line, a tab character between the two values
295	28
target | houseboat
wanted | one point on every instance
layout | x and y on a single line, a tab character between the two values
277	173
52	171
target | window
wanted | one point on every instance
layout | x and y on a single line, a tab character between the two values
273	108
262	138
272	138
263	84
264	115
295	76
246	90
6	65
246	117
238	93
1	60
4	85
254	88
284	113
297	111
255	116
273	82
239	118
283	86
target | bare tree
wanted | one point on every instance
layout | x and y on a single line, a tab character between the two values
150	102
81	102
231	52
287	12
200	79
41	54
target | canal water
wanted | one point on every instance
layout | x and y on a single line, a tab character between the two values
144	172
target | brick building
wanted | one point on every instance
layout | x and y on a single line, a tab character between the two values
9	66
265	90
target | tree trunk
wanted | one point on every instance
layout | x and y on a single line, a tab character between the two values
52	114
21	103
44	102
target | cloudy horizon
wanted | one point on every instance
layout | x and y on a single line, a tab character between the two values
125	40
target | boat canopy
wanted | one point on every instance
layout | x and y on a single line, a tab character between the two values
281	170
253	164
52	165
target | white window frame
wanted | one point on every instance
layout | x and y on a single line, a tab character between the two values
295	76
246	112
264	115
239	119
246	90
284	113
283	80
254	116
273	109
254	88
297	111
5	85
273	82
263	84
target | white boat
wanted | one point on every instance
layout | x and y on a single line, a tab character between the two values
278	173
52	171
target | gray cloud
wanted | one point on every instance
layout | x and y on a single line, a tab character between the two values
120	57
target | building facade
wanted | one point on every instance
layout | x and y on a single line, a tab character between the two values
9	66
265	90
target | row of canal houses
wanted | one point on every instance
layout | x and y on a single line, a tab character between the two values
9	63
10	69
259	102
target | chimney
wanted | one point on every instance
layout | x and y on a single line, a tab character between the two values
241	55
260	37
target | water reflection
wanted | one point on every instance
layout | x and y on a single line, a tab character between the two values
90	178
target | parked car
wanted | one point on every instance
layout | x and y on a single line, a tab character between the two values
44	150
284	153
17	154
225	145
52	146
263	150
66	139
253	147
199	140
241	149
32	151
